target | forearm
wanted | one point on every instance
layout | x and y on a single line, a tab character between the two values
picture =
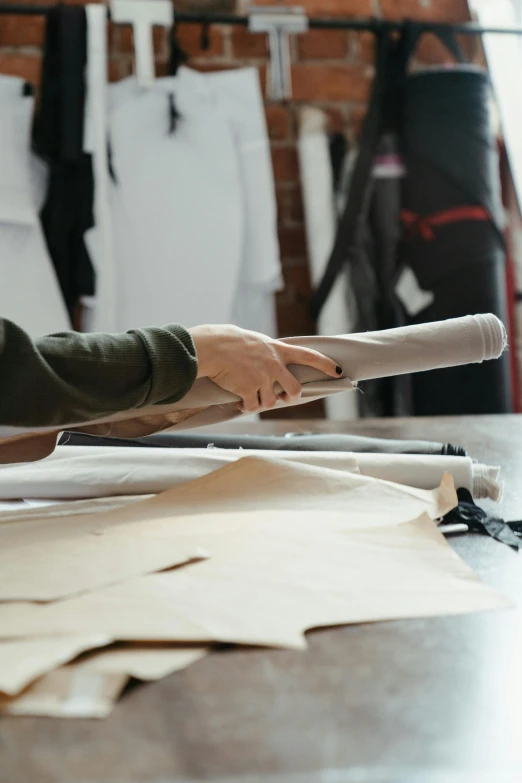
71	377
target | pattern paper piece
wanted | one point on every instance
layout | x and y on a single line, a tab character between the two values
50	558
293	548
145	662
23	661
68	693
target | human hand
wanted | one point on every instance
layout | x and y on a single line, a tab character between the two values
249	365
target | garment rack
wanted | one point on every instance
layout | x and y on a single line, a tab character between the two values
359	25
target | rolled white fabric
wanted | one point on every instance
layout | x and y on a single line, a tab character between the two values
425	471
469	340
74	472
472	339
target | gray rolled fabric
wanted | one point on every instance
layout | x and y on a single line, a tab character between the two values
467	340
358	444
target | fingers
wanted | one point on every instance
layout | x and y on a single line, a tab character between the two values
250	403
267	396
290	385
293	354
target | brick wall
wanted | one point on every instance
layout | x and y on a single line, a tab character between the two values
331	69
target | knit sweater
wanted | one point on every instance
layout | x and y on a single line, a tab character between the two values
81	377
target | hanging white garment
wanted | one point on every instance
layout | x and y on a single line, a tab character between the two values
239	94
81	472
193	211
100	313
29	293
321	221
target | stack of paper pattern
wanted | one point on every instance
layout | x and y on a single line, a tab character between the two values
256	552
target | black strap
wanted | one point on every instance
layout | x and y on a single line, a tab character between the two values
449	39
177	55
392	57
509	533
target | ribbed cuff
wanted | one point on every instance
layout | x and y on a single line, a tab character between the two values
174	365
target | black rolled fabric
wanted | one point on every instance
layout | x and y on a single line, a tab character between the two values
456	253
68	210
292	442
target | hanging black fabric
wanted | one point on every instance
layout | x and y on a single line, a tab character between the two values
369	227
437	121
455	245
391	59
68	210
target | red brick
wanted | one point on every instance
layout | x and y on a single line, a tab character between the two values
365	47
293	318
295	210
22	30
297	281
126	39
26	66
330	82
208	67
357	115
246	45
120	67
278	121
284	161
292	242
348	8
336	120
281	202
189	36
426	10
432	51
323	45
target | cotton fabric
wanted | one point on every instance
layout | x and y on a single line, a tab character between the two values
363	356
78	472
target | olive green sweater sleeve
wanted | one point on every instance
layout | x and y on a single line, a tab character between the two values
71	377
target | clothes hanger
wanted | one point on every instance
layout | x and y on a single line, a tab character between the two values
278	24
143	15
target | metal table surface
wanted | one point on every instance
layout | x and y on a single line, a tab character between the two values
423	701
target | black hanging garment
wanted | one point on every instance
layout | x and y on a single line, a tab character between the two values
437	224
452	216
68	210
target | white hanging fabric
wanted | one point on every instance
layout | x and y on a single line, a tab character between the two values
321	220
192	208
30	294
101	312
238	92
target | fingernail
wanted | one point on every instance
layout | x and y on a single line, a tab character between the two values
338	370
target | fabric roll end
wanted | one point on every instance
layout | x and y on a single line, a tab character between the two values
486	483
494	334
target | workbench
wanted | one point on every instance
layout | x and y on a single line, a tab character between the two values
423	701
